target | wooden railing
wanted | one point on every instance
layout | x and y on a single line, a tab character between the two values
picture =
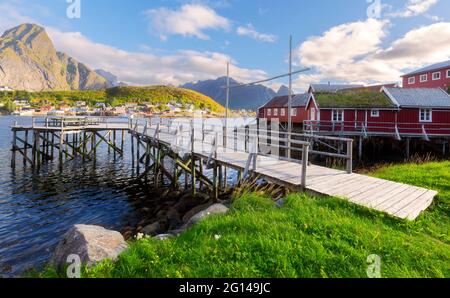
397	129
249	139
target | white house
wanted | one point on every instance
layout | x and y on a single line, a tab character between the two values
5	88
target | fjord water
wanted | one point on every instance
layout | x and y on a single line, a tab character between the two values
37	208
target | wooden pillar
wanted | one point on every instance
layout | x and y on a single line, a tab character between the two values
52	148
25	150
109	142
122	140
215	188
138	145
114	142
38	148
408	153
61	144
132	150
360	148
14	146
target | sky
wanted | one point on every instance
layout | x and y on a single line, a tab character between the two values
147	42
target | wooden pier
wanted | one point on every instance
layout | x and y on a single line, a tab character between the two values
203	154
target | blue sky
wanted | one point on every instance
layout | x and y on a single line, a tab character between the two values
175	41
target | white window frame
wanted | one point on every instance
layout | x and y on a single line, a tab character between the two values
275	112
425	119
294	112
269	112
336	112
424	78
375	113
282	112
448	73
411	80
436	79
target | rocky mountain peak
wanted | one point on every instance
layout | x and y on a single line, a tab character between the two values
29	61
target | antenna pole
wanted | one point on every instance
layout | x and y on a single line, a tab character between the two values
227	103
289	113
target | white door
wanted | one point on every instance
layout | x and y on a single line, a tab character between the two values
313	114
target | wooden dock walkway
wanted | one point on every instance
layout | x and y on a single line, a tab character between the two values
396	199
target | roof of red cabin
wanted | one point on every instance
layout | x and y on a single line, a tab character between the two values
298	100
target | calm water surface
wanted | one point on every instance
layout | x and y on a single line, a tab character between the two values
37	208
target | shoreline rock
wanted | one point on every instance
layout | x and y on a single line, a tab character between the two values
91	244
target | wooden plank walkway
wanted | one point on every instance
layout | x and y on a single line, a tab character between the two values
396	199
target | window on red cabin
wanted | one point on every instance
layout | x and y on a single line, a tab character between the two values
283	112
375	113
436	76
411	80
294	112
269	112
337	116
425	115
448	73
275	112
423	78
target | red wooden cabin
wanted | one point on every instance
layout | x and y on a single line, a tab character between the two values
433	76
302	109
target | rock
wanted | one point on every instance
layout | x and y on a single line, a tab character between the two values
163	237
214	209
151	229
194	211
174	218
91	243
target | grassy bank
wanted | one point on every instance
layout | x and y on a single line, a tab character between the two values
306	237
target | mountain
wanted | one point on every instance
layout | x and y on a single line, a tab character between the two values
29	61
246	97
283	91
110	78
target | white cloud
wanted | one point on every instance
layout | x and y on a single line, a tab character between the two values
354	52
189	20
251	32
144	68
415	8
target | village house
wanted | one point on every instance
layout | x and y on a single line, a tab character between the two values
433	76
6	88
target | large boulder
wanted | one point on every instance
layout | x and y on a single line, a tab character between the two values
92	244
214	209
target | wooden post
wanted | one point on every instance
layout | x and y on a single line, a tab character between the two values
38	148
360	148
109	142
408	141
61	143
25	150
132	150
350	156
305	154
52	149
122	140
14	146
138	145
114	142
193	182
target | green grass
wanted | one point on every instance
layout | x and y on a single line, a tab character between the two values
307	237
358	99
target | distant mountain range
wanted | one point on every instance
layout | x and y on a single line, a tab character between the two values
246	97
29	61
